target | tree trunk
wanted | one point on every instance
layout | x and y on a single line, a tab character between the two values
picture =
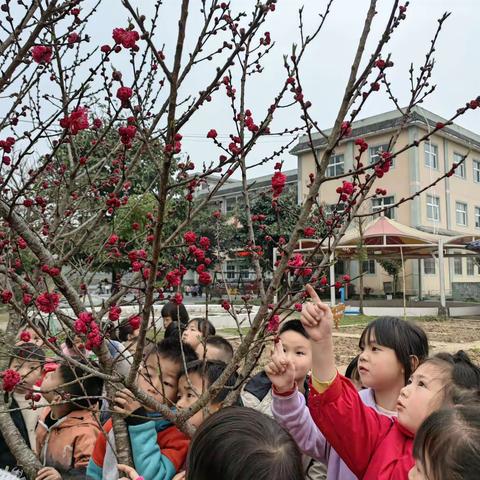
360	293
14	440
360	266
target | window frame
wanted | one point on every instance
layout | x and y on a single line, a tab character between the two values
461	167
434	207
335	164
433	151
456	263
368	270
470	263
476	171
382	205
477	217
457	211
375	149
432	264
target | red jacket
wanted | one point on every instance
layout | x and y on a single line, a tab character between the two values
374	446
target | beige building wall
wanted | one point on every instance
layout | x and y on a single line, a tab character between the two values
408	175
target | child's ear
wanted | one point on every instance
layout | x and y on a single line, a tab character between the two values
414	362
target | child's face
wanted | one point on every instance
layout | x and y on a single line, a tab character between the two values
298	350
379	368
417	472
189	390
51	386
34	337
167	321
192	335
30	372
158	378
421	396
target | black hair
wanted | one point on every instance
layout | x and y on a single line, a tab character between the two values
447	444
352	368
205	327
177	312
123	331
405	338
174	330
78	383
293	326
223	344
28	352
241	443
211	370
171	348
459	369
39	325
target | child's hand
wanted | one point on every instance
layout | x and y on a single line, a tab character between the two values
280	370
179	476
132	474
48	473
125	402
317	317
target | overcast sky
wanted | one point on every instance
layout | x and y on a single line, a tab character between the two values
326	66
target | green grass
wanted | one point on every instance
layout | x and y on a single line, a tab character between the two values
232	332
356	320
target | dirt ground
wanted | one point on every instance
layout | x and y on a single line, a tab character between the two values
456	331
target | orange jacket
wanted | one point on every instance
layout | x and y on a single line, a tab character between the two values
68	443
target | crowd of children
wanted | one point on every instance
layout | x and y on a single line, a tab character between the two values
398	413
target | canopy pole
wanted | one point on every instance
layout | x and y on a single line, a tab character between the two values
332	278
404	285
441	278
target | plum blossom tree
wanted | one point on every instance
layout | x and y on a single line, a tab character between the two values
78	131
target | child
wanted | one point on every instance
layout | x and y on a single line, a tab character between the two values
197	378
67	430
373	445
447	445
27	360
218	348
75	348
198	329
28	334
174	312
391	349
296	345
158	447
238	443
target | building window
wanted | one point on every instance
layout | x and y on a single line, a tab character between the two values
431	155
339	267
477	217
476	171
231	204
457	266
380	203
433	208
376	151
336	166
470	266
368	266
230	270
460	170
338	208
461	213
429	266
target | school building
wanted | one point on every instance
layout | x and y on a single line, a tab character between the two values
450	209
